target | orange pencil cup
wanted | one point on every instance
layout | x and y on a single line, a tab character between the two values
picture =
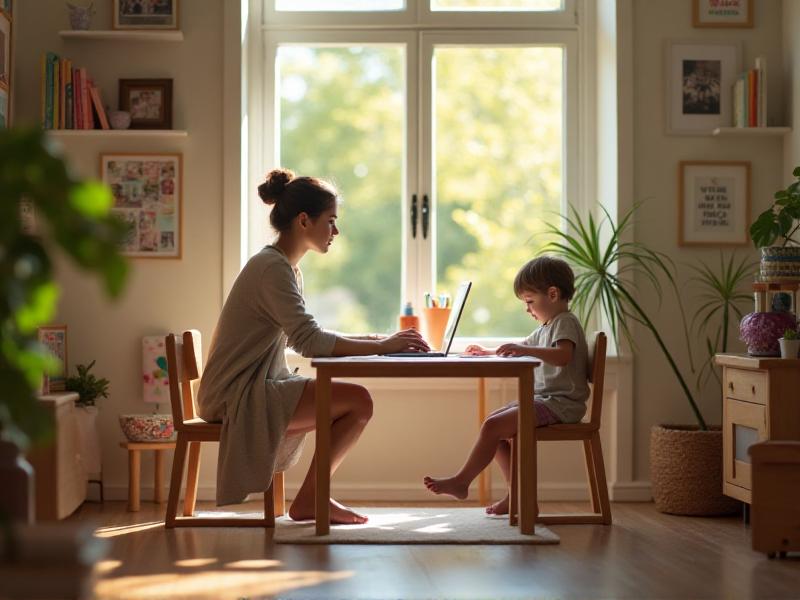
435	321
408	322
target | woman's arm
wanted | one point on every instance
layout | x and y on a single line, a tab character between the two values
408	340
559	356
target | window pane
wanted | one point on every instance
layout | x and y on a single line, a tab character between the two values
339	5
500	111
498	5
342	118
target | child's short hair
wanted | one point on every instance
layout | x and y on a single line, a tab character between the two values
543	272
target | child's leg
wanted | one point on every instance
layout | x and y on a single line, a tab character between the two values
495	429
544	417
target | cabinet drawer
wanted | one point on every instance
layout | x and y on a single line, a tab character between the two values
750	386
745	423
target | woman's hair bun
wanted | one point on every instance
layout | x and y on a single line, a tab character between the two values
275	184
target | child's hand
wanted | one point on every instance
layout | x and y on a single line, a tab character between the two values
477	350
512	350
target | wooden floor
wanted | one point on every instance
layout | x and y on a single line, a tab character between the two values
644	554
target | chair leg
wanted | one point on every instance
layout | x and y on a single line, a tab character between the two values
513	492
269	506
175	482
190	499
600	476
591	476
279	494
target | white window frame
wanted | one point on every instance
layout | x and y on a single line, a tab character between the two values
264	29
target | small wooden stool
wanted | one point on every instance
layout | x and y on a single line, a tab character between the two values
135	470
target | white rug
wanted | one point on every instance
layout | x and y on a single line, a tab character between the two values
415	526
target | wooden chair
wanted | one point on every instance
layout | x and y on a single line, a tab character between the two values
184	360
589	433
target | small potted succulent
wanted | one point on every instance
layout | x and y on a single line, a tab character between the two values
790	344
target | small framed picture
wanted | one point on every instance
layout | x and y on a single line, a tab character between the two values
722	13
5	51
145	14
7	6
700	77
148	100
4	108
54	338
714	203
147	190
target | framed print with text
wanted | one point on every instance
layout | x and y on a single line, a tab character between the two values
714	203
722	13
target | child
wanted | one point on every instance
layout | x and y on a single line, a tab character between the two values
546	285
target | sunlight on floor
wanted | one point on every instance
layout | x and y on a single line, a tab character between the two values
109	532
212	584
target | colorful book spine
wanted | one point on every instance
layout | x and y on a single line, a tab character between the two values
69	109
56	92
98	107
85	100
76	95
48	104
752	108
761	67
43	91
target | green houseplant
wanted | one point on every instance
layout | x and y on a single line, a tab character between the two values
686	461
73	216
88	387
778	222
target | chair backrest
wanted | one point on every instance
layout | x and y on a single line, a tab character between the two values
597	370
184	365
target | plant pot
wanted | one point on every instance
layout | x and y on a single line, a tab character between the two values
779	263
89	439
789	348
686	471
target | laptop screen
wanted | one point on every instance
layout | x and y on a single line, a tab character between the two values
455	314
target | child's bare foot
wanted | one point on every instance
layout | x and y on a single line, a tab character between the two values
340	514
498	508
447	485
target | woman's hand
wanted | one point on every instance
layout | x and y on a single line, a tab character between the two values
408	340
478	350
512	350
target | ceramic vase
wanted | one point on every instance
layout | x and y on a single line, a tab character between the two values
762	330
789	348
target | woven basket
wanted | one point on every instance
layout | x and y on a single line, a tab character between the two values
686	471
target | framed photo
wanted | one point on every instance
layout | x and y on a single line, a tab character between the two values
4	108
5	50
700	77
148	100
147	191
6	6
722	13
714	203
145	14
54	338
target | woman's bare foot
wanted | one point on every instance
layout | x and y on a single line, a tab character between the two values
447	485
340	514
498	508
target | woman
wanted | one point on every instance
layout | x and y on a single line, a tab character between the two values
266	410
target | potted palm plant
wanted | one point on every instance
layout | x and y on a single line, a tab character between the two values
686	461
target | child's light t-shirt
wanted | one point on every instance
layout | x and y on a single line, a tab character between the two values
564	390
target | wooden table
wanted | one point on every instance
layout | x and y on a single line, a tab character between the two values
371	366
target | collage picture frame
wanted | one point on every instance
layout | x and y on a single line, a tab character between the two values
147	191
714	203
144	14
54	338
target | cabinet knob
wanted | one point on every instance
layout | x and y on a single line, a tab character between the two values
754	390
730	385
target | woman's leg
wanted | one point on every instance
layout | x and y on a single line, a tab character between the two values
351	410
495	429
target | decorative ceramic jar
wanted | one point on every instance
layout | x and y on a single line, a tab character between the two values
147	428
780	263
80	17
119	119
762	330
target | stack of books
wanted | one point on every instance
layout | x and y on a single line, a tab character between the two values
70	100
750	96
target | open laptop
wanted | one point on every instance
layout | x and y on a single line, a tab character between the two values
450	328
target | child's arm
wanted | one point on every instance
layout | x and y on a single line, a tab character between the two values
478	350
560	355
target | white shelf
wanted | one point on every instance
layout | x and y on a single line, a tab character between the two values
758	131
169	35
121	133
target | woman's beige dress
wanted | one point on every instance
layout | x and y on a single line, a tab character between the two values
247	384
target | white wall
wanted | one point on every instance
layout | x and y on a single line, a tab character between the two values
791	75
657	396
418	431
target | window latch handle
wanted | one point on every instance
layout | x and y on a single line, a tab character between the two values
414	216
425	216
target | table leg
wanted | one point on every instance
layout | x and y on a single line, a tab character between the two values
484	479
134	479
526	438
323	452
158	477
